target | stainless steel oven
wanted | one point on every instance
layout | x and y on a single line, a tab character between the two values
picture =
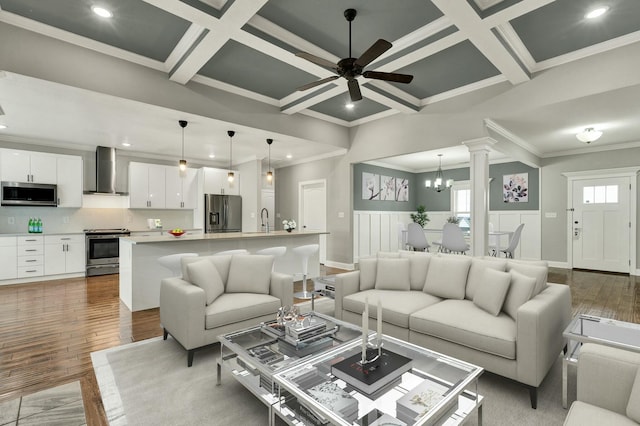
103	250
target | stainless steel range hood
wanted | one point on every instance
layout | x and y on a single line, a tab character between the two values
106	172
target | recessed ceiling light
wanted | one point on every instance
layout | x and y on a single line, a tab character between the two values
126	144
289	156
102	12
349	105
3	126
212	156
597	12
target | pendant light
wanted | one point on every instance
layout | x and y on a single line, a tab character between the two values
182	164
230	175
269	172
439	180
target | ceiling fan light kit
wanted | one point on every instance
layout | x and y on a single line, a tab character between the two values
230	175
351	68
589	135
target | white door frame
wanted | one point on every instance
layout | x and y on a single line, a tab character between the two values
630	172
301	186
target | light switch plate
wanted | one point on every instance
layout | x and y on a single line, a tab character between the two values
341	214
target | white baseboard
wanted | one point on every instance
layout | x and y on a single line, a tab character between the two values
636	273
339	265
42	278
561	265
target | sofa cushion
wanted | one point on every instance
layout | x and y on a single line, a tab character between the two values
447	276
392	274
583	414
368	267
393	254
461	322
221	263
520	292
396	305
249	273
205	275
476	273
418	267
231	308
531	269
491	293
633	406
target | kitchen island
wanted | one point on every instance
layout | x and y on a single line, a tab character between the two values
140	272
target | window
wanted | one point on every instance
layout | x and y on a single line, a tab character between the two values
461	203
600	194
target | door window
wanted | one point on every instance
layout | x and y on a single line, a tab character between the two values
601	194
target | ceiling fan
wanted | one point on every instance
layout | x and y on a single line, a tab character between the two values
350	68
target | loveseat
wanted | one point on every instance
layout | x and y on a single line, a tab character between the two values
218	295
608	388
500	314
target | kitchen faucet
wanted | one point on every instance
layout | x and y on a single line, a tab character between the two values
264	210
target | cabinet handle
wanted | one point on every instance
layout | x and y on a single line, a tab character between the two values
32	270
65	238
31	250
31	240
67	247
31	260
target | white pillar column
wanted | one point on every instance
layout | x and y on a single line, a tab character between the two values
479	152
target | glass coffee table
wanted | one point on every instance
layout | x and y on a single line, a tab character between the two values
592	329
434	390
253	355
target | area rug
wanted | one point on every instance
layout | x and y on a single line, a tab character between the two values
148	383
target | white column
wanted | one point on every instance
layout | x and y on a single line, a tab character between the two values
479	152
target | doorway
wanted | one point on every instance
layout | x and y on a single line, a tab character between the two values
602	220
312	210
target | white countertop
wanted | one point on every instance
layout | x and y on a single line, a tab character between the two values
218	236
35	234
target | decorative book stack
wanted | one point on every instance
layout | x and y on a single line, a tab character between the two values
371	378
420	400
335	399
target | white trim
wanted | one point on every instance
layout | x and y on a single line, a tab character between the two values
321	116
592	149
628	172
217	84
487	82
554	264
373	117
42	278
187	40
515	43
521	8
636	273
337	153
393	90
340	265
339	88
489	123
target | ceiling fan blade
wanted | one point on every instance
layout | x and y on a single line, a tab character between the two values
376	49
317	60
354	90
388	76
318	83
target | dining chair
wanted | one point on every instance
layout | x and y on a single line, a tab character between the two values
453	239
416	238
513	244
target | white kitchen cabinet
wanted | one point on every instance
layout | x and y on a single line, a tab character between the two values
181	188
9	256
69	181
216	182
147	189
27	166
30	256
64	254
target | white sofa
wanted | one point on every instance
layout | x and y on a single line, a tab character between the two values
218	295
608	388
499	314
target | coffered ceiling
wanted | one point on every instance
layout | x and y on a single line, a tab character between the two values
452	48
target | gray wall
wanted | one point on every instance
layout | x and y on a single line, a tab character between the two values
497	171
438	201
382	205
554	194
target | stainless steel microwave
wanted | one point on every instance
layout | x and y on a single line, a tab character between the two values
29	194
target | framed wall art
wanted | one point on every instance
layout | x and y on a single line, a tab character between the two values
515	188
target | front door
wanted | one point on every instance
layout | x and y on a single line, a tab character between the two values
601	224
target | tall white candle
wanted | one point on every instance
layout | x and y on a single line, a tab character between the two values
365	328
379	329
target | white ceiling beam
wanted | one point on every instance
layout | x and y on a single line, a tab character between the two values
467	20
510	36
229	24
321	97
184	11
512	12
386	101
423	52
183	46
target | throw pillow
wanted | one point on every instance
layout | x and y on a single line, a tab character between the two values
188	260
476	273
531	270
392	274
633	406
250	273
206	276
490	295
520	292
447	276
368	267
418	267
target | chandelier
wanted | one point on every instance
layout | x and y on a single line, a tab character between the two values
439	184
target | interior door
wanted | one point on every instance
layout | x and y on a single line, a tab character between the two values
601	224
314	212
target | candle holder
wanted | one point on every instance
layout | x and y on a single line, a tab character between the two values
371	356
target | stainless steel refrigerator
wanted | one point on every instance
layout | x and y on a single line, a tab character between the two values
222	213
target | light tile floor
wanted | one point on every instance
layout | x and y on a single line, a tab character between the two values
61	405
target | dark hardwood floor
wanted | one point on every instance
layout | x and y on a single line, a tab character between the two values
49	329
